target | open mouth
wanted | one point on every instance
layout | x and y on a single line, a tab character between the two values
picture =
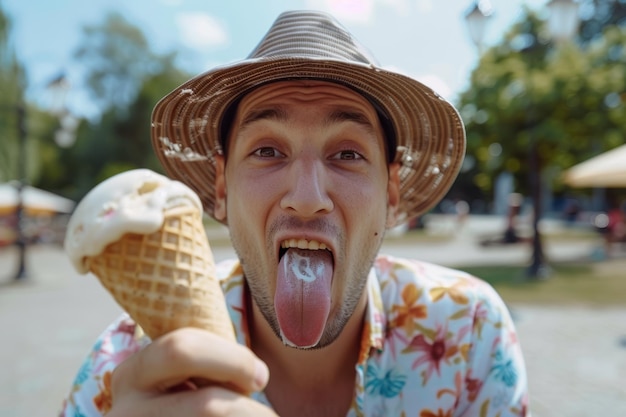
300	244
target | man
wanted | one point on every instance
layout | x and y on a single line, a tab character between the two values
309	151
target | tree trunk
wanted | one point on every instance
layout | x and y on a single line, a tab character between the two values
538	268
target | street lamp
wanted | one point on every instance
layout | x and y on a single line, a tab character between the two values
564	19
562	25
476	18
58	88
66	134
20	239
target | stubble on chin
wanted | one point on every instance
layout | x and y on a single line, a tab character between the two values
258	281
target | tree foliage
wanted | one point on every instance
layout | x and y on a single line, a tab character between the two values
12	83
599	14
566	100
126	78
116	58
119	141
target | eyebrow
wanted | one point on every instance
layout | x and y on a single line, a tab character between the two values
276	113
279	114
342	115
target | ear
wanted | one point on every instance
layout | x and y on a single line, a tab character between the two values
393	194
219	204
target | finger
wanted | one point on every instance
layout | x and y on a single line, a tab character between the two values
210	401
191	353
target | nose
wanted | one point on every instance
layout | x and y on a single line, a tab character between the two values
307	195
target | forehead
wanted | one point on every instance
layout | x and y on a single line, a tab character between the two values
263	101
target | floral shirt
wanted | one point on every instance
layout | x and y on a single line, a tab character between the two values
437	343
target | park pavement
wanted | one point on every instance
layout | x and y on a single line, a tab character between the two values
576	356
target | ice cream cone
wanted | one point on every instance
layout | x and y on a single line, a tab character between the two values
166	280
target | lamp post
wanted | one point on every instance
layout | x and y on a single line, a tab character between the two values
564	19
476	18
66	134
20	240
57	87
562	24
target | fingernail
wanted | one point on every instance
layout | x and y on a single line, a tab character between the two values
261	375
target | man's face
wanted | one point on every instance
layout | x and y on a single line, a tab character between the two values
307	193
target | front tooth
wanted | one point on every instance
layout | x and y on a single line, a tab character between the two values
303	244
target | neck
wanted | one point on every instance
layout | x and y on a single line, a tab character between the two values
310	382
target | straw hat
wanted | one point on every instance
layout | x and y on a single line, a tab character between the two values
425	132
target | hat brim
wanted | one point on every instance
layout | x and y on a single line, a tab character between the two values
430	137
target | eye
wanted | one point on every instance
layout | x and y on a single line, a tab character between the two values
347	155
268	152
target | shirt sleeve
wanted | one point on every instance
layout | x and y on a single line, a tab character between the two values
90	395
496	382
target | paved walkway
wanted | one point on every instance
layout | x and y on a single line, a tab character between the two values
576	357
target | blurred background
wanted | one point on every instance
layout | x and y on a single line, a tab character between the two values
538	209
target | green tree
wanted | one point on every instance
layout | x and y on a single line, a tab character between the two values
566	101
115	56
533	105
12	84
599	14
119	141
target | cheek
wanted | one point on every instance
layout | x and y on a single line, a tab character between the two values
250	194
366	196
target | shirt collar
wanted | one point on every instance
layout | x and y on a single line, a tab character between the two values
375	319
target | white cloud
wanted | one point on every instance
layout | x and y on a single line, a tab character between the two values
400	6
360	11
201	30
424	6
363	11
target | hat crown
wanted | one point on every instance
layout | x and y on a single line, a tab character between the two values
311	35
188	124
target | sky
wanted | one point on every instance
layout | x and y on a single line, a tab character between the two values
425	39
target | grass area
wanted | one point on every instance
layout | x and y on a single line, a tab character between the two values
450	233
596	284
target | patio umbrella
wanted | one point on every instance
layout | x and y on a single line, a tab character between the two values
605	170
35	200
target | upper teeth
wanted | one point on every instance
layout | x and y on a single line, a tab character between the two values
302	244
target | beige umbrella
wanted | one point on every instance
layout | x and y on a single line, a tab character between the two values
605	170
35	200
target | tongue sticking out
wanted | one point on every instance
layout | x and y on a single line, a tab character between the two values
302	298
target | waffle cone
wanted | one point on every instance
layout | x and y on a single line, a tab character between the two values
166	280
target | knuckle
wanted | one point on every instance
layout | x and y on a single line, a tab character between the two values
211	405
244	362
175	346
217	401
117	378
248	366
121	372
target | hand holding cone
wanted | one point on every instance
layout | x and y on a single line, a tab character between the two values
142	235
